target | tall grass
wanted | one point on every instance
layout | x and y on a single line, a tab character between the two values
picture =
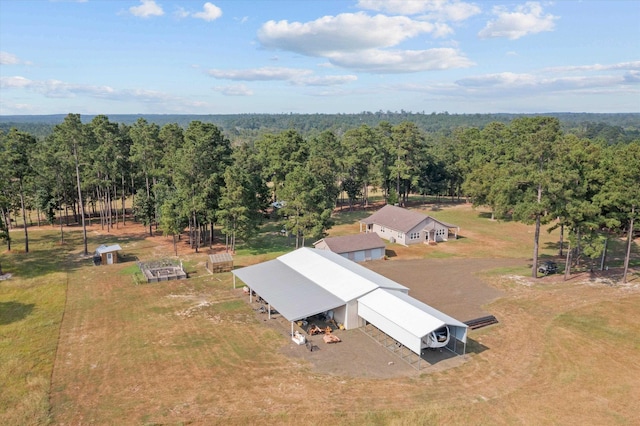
31	310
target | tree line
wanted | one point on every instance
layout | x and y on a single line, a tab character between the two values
192	177
614	128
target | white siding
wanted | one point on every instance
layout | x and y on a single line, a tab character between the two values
416	230
395	331
339	314
351	317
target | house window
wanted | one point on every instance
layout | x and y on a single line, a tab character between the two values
415	236
400	235
382	229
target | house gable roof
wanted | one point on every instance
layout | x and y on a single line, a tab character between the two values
445	224
351	243
396	218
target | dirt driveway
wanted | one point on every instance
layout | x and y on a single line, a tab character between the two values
449	285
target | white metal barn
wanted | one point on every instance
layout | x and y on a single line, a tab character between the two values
306	282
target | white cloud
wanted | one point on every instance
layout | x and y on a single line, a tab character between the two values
296	76
146	9
259	74
14	82
181	13
401	61
402	7
440	10
62	90
361	42
526	19
234	90
633	65
632	77
508	88
7	58
543	81
210	12
504	80
55	88
347	32
329	80
14	108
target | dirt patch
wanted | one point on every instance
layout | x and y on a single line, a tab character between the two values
452	286
357	355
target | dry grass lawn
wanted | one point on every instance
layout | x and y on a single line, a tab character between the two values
193	351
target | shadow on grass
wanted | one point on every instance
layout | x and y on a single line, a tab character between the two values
127	257
475	347
46	255
555	246
14	311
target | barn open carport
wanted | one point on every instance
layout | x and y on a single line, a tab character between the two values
306	282
290	293
411	323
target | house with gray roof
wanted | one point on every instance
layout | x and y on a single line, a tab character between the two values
359	247
406	227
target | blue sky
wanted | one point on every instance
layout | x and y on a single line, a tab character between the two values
318	56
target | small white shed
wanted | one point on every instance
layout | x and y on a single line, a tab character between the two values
107	255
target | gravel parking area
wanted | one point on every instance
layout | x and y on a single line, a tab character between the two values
449	285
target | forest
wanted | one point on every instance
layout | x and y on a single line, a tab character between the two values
202	177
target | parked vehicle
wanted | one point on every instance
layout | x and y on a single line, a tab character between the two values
437	338
548	267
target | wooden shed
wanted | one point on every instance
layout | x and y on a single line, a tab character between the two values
106	255
221	262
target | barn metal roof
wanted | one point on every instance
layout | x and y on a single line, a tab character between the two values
431	311
292	294
336	274
307	281
351	243
400	312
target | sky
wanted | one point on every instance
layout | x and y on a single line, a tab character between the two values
318	56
